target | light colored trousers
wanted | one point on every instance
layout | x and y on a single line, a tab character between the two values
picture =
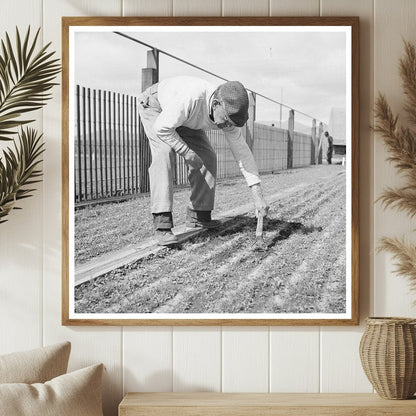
161	171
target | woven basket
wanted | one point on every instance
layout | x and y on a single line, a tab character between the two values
388	356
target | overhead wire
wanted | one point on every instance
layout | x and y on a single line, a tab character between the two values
210	73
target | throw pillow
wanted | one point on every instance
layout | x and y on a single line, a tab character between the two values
35	366
73	394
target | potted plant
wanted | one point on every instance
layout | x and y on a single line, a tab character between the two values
388	345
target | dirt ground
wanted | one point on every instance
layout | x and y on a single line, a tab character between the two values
303	270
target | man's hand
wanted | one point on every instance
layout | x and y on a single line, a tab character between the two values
259	202
193	160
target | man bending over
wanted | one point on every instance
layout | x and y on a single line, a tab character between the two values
175	114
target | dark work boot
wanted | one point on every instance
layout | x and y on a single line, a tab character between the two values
163	223
200	219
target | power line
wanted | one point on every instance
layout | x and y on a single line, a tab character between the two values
170	55
209	72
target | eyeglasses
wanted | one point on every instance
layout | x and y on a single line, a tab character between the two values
228	122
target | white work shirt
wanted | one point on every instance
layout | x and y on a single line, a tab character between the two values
184	101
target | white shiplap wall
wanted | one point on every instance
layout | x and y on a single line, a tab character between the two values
260	359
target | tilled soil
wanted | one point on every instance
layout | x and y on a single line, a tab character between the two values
105	228
303	270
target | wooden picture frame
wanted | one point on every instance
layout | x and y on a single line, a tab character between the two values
82	180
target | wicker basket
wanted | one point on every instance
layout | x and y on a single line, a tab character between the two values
388	356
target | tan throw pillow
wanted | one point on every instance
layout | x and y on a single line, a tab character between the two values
35	366
73	394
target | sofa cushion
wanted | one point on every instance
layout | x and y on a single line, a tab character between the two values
73	394
35	366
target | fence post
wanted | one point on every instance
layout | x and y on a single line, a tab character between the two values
320	132
290	138
249	130
313	142
150	76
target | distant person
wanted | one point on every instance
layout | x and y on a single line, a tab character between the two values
175	114
330	148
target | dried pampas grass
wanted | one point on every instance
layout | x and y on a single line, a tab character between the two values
401	143
405	255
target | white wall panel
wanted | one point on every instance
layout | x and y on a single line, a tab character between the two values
21	14
294	7
294	360
21	276
147	7
22	235
147	359
196	359
89	345
196	8
394	21
341	367
245	359
245	8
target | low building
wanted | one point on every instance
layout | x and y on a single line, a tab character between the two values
337	129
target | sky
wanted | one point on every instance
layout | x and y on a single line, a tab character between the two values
306	70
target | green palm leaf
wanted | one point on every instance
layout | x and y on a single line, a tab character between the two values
26	78
19	169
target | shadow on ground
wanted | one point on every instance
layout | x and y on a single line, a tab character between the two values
281	230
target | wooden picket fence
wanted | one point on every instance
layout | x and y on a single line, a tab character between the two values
110	158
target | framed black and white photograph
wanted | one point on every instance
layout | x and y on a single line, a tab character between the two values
210	171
